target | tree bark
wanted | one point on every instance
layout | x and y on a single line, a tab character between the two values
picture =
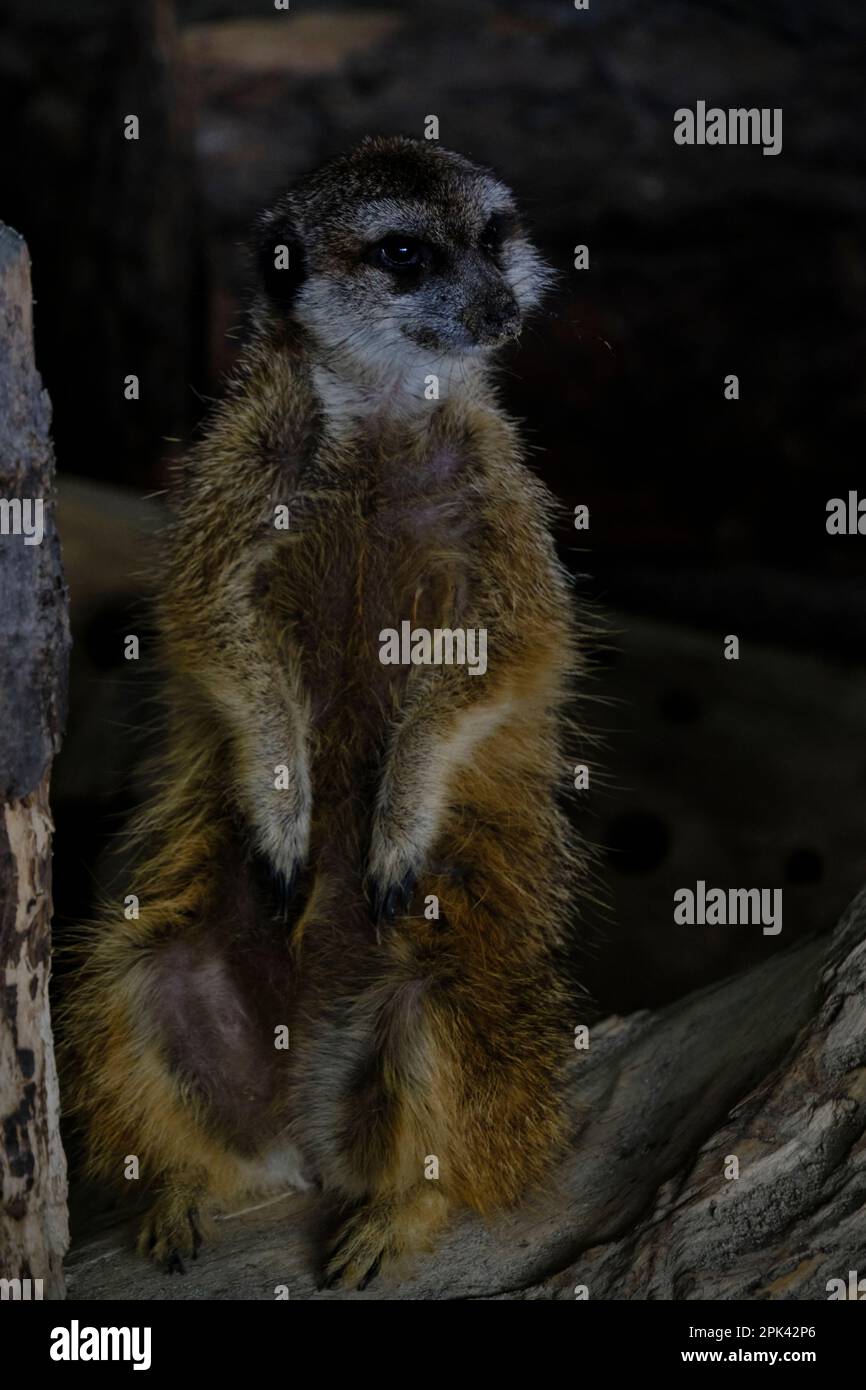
768	1067
34	638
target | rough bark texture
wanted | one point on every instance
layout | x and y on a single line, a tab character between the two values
34	639
768	1067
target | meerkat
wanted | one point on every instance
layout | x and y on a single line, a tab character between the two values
367	859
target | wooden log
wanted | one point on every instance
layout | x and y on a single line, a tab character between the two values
768	1068
34	638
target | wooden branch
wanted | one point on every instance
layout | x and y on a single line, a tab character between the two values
34	640
768	1067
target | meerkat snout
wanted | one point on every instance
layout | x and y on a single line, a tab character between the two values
401	256
491	313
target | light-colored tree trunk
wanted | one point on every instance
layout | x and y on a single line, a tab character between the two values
34	641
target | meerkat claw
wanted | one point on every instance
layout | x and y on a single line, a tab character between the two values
287	884
389	903
371	1273
197	1237
332	1280
281	885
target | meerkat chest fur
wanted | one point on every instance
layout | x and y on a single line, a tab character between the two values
383	535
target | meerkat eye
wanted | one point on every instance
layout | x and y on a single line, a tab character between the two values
398	252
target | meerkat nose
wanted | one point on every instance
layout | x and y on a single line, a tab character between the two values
492	317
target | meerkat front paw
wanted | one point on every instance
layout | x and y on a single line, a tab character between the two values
281	844
172	1231
280	817
388	901
391	875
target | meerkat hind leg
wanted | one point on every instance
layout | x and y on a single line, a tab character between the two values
213	1010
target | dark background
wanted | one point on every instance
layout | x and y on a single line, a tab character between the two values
707	516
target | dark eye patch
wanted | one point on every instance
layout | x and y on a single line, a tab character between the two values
498	228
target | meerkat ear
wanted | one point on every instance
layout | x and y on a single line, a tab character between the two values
279	254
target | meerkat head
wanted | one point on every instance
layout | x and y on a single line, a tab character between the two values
399	257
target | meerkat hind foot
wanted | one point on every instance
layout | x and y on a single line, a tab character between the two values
378	1237
172	1231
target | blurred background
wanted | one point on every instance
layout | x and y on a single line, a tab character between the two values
707	516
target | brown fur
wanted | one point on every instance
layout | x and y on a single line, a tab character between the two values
409	1037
